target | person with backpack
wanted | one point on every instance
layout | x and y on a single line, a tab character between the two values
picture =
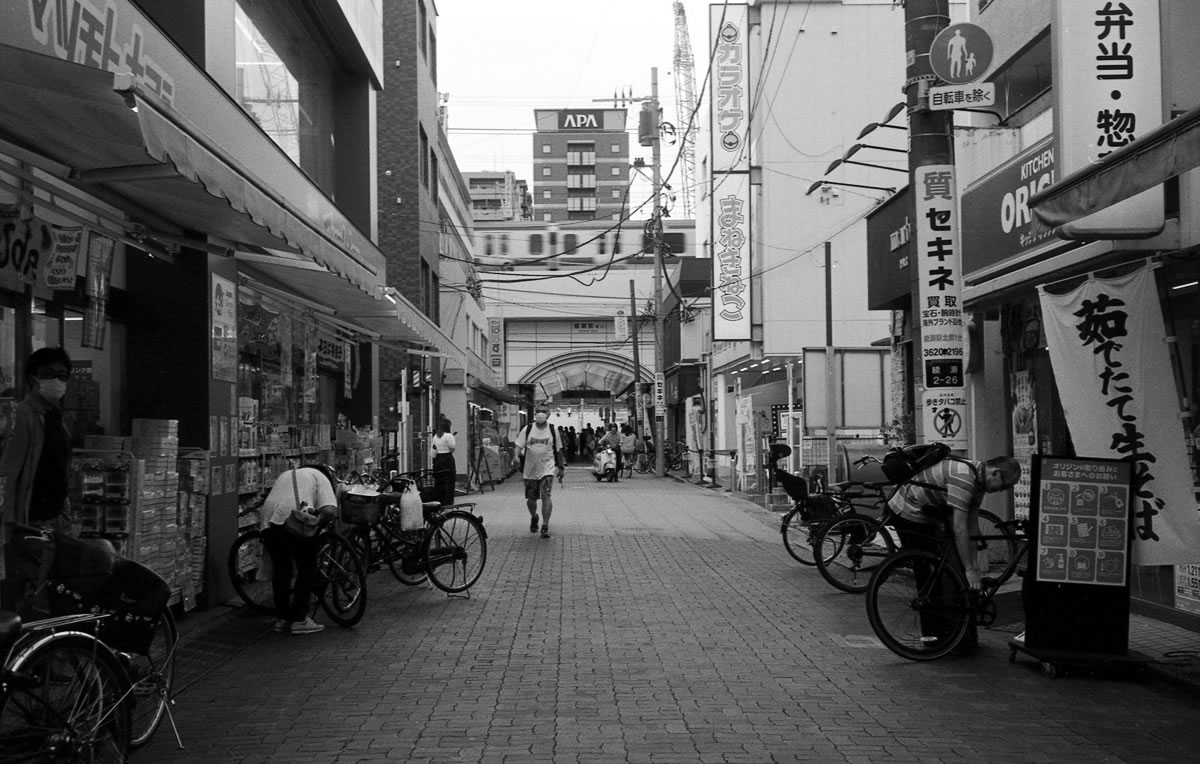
950	491
540	451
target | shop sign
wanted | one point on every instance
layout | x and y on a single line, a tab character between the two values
997	221
1106	347
1187	588
63	259
1108	92
496	345
1083	521
581	119
108	36
729	89
258	330
330	351
25	242
660	394
939	284
731	258
889	251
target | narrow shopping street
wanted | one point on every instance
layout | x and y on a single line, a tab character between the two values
662	622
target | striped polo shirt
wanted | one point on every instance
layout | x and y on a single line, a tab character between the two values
962	491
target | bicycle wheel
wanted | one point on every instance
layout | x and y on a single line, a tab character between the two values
363	540
798	537
404	551
851	547
999	552
66	705
342	580
641	464
455	551
151	675
918	606
244	557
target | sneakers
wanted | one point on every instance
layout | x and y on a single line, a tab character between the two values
307	626
545	531
533	523
281	626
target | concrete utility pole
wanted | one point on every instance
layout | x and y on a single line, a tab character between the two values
660	415
637	365
931	142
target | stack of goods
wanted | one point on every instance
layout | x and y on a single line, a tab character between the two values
193	519
160	547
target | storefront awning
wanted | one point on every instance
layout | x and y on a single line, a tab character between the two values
1163	153
388	319
496	393
96	130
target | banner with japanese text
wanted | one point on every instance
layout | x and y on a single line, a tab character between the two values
939	273
1111	362
731	237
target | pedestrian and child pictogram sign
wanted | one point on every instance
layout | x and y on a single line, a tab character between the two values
960	53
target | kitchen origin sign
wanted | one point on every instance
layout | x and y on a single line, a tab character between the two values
997	222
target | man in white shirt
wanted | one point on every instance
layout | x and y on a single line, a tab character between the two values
539	446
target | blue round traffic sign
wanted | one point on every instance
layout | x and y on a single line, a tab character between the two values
960	53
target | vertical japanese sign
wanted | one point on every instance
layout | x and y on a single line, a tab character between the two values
731	257
496	346
224	330
1108	92
1083	521
1110	359
729	96
730	166
939	270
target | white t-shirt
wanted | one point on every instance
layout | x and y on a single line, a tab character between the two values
444	444
313	487
539	452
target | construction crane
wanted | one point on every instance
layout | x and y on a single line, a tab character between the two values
685	104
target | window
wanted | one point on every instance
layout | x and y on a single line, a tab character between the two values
616	172
423	147
546	172
546	194
286	86
1024	77
545	148
432	56
581	153
422	26
581	181
433	171
616	148
616	193
581	204
547	217
570	243
535	244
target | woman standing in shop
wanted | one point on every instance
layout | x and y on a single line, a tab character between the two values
444	468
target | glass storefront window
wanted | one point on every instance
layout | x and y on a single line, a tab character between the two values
286	85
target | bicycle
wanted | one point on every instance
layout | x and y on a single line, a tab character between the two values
802	524
341	586
449	549
62	692
142	634
919	604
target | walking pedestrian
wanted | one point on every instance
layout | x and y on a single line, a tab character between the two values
444	468
312	489
572	443
539	449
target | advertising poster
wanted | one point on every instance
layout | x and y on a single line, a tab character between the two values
1083	522
1024	437
62	261
1187	588
224	330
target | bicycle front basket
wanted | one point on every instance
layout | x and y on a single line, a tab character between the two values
820	508
360	508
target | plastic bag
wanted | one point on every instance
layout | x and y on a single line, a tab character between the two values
412	513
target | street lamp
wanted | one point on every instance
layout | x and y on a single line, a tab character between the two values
820	183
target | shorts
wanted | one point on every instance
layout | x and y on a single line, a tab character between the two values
539	488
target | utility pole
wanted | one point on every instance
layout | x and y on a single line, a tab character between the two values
660	414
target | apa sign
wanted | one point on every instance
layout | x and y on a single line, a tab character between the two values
575	119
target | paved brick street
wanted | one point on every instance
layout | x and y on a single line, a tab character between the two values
662	622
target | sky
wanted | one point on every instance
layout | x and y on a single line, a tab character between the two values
498	61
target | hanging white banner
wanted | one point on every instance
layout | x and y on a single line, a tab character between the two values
1109	354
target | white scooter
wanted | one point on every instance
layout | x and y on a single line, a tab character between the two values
604	464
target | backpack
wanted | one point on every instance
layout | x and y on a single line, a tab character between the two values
553	444
902	464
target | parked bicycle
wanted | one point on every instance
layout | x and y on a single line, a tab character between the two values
62	692
919	604
77	575
802	524
341	586
448	548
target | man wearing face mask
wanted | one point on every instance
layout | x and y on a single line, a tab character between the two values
538	443
35	461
